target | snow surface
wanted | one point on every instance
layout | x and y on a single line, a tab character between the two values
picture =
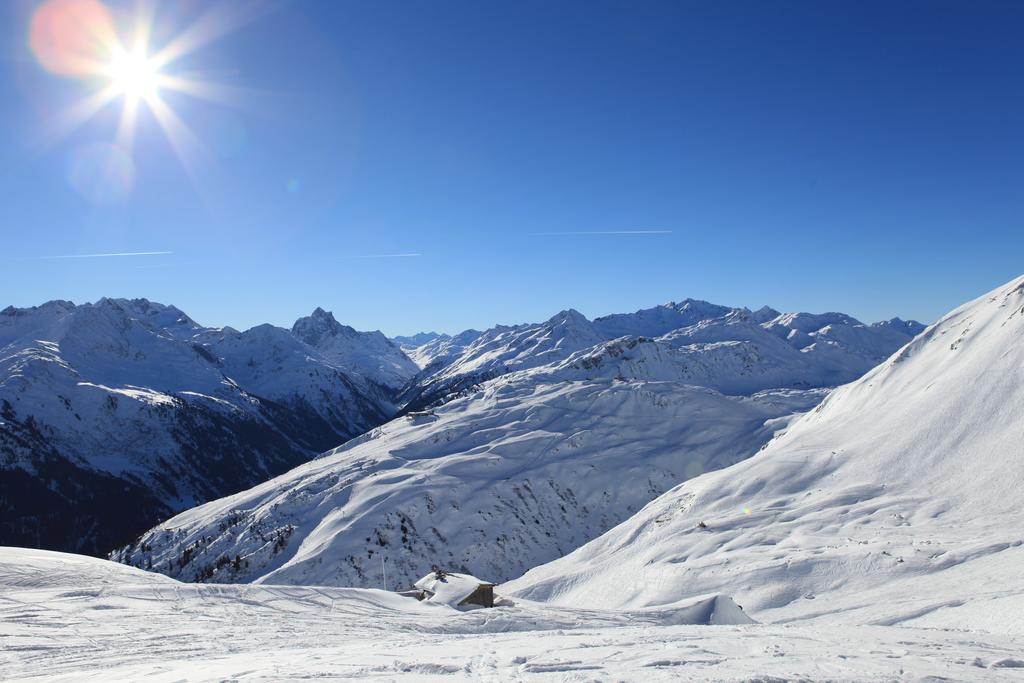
896	501
72	618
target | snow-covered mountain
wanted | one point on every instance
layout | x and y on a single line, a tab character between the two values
654	322
894	501
441	350
368	355
463	362
842	346
413	340
523	467
136	396
131	405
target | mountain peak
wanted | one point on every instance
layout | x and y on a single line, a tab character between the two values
764	314
59	305
320	314
368	354
570	316
911	326
317	326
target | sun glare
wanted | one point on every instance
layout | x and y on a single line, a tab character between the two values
134	75
85	40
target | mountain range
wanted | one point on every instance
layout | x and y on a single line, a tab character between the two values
516	445
868	531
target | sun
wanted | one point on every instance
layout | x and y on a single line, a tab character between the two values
112	53
134	75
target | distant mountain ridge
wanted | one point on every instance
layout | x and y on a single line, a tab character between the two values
452	365
418	339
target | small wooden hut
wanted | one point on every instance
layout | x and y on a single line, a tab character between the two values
454	589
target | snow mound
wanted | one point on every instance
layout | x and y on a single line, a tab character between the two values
713	610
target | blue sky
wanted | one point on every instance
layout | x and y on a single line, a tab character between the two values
865	157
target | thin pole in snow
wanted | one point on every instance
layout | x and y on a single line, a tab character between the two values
384	568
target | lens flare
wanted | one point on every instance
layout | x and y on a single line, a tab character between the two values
101	173
72	38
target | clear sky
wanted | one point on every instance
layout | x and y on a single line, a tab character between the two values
418	165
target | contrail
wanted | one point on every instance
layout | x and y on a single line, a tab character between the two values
125	253
608	232
385	255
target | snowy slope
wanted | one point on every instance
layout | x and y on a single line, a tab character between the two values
71	618
132	404
517	474
895	501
